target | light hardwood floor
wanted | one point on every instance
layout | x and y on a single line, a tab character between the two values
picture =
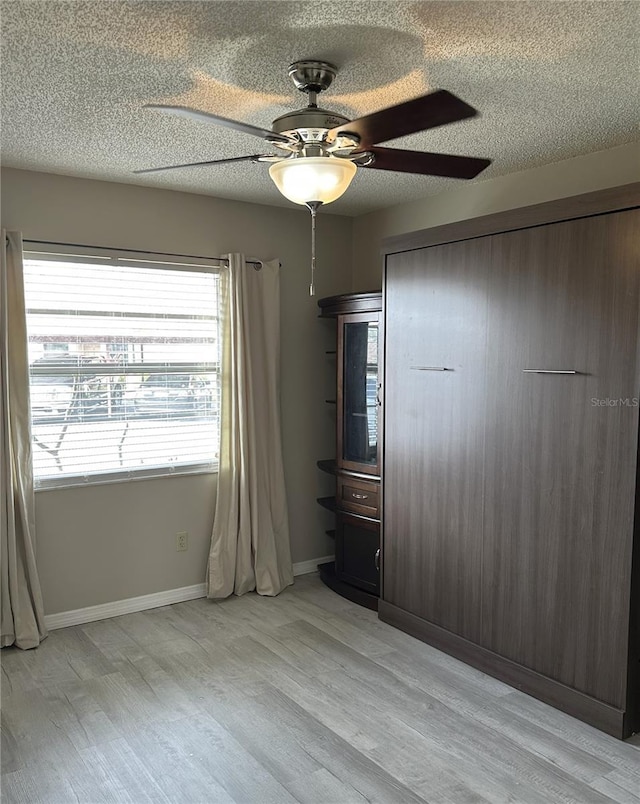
301	698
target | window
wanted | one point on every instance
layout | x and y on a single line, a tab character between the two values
124	367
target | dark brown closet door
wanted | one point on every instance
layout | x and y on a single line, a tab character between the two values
436	308
560	465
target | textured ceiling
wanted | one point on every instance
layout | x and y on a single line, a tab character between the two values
552	80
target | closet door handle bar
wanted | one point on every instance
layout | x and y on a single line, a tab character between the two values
429	368
547	371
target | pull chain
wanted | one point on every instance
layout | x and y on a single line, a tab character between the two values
312	286
313	208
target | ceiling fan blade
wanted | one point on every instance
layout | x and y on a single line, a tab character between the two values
253	158
207	117
428	164
428	111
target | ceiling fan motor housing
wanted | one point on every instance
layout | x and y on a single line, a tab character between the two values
310	123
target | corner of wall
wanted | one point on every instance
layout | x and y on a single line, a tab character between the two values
599	170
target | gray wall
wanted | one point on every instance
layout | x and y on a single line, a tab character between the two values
104	543
583	174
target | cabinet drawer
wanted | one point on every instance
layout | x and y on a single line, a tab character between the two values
359	496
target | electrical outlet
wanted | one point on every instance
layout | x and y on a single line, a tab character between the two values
182	541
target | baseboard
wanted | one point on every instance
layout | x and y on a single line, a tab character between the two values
130	605
573	702
305	567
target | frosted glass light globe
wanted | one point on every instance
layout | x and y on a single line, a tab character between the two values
313	178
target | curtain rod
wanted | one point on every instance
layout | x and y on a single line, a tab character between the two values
257	264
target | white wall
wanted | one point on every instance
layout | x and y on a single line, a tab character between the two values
109	542
582	174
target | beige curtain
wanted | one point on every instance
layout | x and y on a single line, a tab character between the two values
22	612
250	542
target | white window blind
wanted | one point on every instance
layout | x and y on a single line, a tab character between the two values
124	368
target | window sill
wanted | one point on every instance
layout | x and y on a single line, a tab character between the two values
52	484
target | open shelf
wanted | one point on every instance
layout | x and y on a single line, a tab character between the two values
328	466
327	502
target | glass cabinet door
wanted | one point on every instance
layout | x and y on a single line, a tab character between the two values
358	446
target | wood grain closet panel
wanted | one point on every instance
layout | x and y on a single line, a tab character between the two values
560	467
436	316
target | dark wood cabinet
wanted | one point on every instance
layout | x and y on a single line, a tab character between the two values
358	552
354	573
510	476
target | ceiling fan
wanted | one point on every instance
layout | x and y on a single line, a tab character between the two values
313	139
318	151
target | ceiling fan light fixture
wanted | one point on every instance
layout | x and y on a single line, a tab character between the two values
311	179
